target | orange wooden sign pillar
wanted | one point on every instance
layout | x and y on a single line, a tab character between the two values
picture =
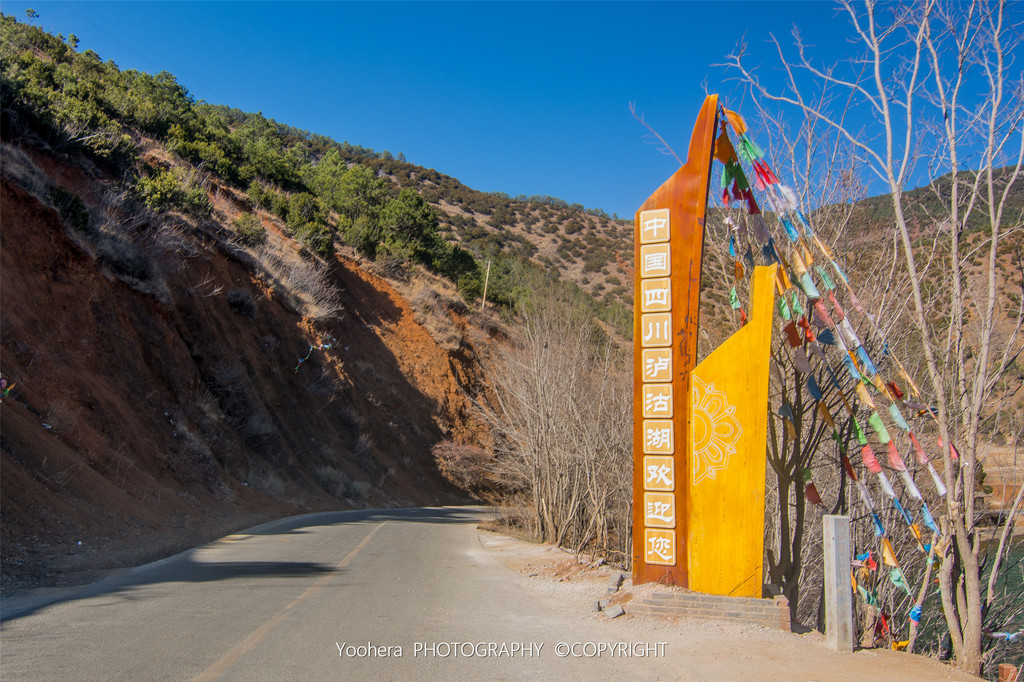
669	244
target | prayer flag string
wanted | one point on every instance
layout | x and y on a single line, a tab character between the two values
825	323
322	346
835	328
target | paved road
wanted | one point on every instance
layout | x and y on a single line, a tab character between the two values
275	603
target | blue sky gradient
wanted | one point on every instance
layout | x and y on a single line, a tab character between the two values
522	98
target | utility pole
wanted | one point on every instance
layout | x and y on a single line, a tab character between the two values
487	278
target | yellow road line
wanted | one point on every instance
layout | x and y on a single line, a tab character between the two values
221	665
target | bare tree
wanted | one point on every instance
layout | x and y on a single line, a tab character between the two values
932	92
559	415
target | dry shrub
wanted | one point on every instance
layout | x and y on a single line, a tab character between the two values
433	311
258	427
20	170
266	482
390	267
358	490
338	484
207	403
468	468
331	479
363	445
306	285
561	417
240	301
191	461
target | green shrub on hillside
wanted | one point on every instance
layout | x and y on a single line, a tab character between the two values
304	208
364	235
70	208
263	153
407	218
168	190
205	145
318	236
306	218
249	230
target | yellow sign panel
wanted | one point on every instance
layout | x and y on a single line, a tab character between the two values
656	329
657	401
660	510
654	226
655	295
657	364
655	260
659	437
659	473
660	546
725	481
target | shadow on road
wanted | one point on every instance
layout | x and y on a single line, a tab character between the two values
185	568
180	568
432	515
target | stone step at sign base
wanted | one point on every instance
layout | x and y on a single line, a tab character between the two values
769	613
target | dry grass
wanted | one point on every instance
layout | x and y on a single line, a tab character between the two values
305	285
331	479
191	460
19	169
207	403
436	305
363	445
338	484
266	482
390	267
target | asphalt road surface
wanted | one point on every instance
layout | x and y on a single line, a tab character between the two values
321	596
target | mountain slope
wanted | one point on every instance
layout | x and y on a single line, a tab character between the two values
158	406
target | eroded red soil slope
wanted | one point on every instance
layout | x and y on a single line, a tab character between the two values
149	417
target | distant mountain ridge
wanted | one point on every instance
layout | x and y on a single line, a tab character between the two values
330	193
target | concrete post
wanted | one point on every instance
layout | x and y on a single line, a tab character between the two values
838	590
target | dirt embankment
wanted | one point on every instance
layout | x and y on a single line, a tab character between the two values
157	402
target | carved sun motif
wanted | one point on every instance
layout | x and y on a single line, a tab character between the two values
715	430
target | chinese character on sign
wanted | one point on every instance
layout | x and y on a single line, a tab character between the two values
658	439
660	547
654	226
658	405
657	400
655	261
656	329
659	473
657	364
656	295
655	298
659	510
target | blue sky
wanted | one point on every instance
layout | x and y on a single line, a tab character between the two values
522	98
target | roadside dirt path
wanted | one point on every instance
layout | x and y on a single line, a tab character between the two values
700	650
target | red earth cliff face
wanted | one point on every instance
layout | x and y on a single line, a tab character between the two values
141	424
